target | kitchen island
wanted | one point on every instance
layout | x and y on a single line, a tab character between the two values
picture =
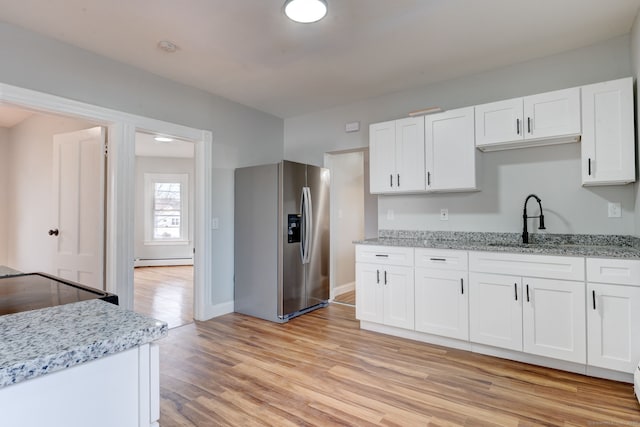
85	363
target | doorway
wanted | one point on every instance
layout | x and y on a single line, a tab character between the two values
52	187
353	217
164	224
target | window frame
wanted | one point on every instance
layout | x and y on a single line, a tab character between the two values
150	181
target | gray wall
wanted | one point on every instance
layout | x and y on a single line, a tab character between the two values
242	136
4	196
161	165
508	176
635	65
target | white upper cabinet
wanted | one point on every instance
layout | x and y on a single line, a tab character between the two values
542	119
608	153
396	150
450	150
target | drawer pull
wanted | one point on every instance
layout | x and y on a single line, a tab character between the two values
528	293
378	276
438	259
382	255
593	293
515	289
385	277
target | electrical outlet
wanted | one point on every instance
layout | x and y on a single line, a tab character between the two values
444	214
215	223
390	214
614	211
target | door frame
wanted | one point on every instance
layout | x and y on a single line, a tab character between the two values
120	194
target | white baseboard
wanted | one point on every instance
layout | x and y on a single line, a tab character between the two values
212	311
343	289
162	262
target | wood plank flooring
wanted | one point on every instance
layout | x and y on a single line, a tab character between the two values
320	369
164	293
346	298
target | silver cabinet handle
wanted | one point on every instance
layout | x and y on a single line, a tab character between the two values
462	286
391	180
515	289
437	259
518	126
385	277
378	276
529	124
382	255
428	178
398	180
528	300
593	293
589	167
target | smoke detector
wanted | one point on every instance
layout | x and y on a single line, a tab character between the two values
167	46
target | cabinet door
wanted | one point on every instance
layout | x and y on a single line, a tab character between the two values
552	114
398	296
608	155
410	170
554	319
495	310
382	156
450	150
613	325
369	292
441	302
499	122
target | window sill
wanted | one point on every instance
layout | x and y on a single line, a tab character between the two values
167	242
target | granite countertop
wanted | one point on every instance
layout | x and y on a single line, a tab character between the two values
38	342
583	245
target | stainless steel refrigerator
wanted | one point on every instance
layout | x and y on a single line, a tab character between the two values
281	240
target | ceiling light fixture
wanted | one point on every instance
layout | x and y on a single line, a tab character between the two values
162	139
305	11
167	46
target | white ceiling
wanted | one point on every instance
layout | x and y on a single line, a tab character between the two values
247	51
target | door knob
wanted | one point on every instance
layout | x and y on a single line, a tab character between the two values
54	232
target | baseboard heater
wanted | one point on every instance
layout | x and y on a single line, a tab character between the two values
161	262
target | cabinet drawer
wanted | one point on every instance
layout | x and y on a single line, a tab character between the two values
617	271
443	259
386	255
551	267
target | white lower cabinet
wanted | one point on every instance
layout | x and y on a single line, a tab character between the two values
441	303
495	310
385	292
553	319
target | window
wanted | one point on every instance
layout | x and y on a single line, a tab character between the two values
166	217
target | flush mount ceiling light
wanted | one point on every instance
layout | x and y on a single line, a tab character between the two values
305	11
163	139
167	46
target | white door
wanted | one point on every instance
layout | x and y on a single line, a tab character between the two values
608	139
499	122
613	325
554	319
552	114
398	296
369	292
451	150
410	168
495	310
382	157
441	303
78	211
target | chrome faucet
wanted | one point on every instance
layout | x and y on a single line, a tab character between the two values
525	234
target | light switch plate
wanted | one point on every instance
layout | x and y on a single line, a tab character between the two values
390	214
444	214
614	210
215	223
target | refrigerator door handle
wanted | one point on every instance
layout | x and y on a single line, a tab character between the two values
308	218
302	225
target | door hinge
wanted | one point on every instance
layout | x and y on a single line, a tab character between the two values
106	150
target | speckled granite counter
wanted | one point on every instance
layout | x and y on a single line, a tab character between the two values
586	245
7	271
35	343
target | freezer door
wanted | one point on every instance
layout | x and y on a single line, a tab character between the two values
292	293
317	268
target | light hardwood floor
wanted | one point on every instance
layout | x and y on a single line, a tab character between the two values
346	298
320	369
164	293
